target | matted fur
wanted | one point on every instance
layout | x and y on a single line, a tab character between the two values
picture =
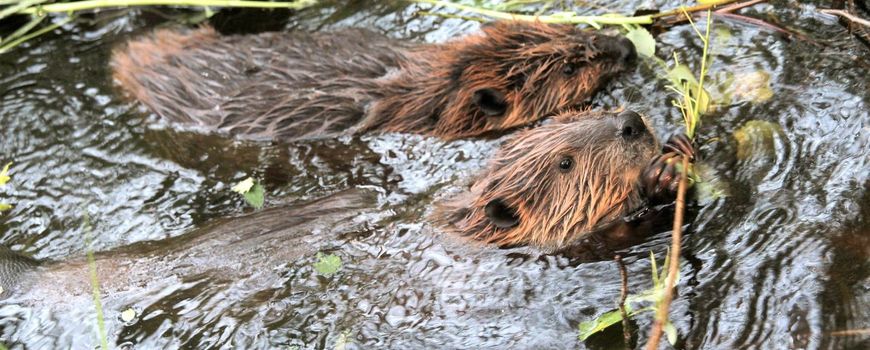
555	207
294	86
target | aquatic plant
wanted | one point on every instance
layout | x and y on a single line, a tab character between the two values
252	191
4	178
38	11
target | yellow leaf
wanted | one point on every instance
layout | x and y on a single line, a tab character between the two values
128	315
753	86
244	186
4	207
4	178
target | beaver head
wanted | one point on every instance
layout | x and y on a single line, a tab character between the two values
511	74
550	185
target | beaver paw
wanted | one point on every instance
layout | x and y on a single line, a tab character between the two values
681	144
661	179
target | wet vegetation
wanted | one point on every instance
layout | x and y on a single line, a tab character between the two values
774	250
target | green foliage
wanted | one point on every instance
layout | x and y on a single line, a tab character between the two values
695	100
252	191
643	41
95	284
39	10
327	264
635	305
4	178
513	9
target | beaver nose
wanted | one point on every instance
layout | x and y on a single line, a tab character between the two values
626	51
632	126
621	49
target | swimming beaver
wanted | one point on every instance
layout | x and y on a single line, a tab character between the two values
292	86
548	187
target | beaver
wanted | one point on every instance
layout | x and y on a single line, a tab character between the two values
547	187
294	86
551	186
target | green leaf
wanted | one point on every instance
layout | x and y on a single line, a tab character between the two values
600	323
256	196
643	41
681	74
328	264
4	177
670	332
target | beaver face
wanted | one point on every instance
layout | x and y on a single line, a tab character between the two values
518	72
554	183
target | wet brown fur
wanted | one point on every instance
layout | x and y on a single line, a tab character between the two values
294	86
554	207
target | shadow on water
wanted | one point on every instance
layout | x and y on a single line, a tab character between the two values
781	262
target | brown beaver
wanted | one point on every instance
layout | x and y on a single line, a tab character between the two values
292	86
548	187
553	185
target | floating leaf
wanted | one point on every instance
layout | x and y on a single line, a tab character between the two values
256	196
4	177
244	186
643	41
756	136
341	343
128	315
753	87
327	264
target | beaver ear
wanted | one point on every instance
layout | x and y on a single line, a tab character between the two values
490	101
500	214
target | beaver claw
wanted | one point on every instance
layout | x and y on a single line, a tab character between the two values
660	179
681	144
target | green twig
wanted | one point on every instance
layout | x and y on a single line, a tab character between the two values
8	46
95	4
18	6
34	20
706	39
568	18
95	285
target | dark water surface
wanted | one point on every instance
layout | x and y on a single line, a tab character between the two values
781	262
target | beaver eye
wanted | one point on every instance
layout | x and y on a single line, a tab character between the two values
569	69
565	164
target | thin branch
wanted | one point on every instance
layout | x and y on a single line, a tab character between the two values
96	4
850	332
735	7
852	18
674	262
626	332
690	9
590	20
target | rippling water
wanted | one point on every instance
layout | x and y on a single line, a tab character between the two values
781	262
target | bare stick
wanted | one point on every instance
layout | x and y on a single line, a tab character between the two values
674	263
852	18
626	333
690	9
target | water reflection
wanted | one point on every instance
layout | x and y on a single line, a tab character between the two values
781	262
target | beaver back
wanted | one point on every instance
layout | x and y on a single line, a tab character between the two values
285	85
